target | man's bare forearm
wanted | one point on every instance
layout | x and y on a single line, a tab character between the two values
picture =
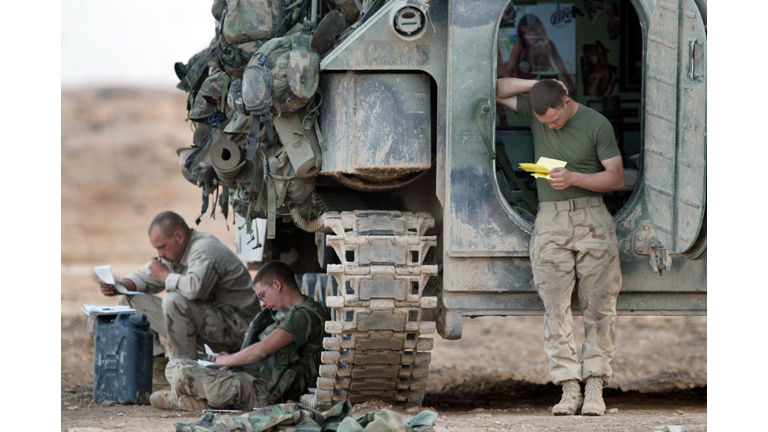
129	285
604	181
250	355
508	87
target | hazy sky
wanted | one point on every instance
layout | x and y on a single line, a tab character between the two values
130	42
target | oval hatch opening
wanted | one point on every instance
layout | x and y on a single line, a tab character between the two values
596	49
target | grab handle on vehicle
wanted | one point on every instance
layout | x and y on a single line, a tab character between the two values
694	50
479	109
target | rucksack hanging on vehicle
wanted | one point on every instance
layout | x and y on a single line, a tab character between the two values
251	20
281	77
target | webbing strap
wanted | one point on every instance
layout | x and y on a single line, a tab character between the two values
320	139
271	207
225	91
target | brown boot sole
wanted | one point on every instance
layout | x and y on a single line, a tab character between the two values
562	412
592	412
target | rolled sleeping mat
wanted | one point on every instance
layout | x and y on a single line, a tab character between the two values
226	159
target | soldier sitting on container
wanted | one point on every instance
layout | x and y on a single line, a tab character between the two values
574	235
279	359
208	296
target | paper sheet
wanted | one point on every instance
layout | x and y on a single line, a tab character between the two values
104	273
209	364
106	310
209	351
543	167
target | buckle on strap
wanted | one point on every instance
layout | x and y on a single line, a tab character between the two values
571	204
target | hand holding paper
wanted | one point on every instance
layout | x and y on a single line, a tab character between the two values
209	351
104	273
543	167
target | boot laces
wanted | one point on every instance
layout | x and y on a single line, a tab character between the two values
594	389
571	390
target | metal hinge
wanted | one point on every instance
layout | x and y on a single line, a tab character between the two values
647	243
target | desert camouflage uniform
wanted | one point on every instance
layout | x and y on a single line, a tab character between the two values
567	246
284	376
208	299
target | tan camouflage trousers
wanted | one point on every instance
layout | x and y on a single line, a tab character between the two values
187	325
569	247
222	389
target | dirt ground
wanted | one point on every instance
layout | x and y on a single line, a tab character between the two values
119	168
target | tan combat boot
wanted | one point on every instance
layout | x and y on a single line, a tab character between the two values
593	397
159	382
163	399
571	400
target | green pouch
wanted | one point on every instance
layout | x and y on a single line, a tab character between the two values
234	58
303	68
250	20
240	123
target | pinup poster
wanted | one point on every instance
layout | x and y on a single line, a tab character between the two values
538	42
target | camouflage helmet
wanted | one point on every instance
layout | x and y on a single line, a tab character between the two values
214	87
201	109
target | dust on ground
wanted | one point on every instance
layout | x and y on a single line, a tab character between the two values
119	169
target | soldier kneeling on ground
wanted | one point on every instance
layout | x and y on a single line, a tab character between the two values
278	361
208	297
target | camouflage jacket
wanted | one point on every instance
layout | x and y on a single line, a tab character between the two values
207	272
294	368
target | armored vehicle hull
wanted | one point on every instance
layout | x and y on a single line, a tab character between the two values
420	216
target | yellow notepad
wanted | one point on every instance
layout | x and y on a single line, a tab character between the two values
543	167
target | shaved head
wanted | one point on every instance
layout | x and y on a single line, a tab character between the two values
168	222
276	270
546	94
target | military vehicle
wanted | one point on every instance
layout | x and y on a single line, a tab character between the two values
399	172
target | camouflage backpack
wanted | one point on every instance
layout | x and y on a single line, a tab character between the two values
281	77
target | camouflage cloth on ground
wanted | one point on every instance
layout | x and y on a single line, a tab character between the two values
300	418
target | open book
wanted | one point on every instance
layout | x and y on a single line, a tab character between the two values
105	275
543	167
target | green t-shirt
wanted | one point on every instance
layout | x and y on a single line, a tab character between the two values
585	140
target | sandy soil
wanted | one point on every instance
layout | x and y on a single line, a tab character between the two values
119	169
